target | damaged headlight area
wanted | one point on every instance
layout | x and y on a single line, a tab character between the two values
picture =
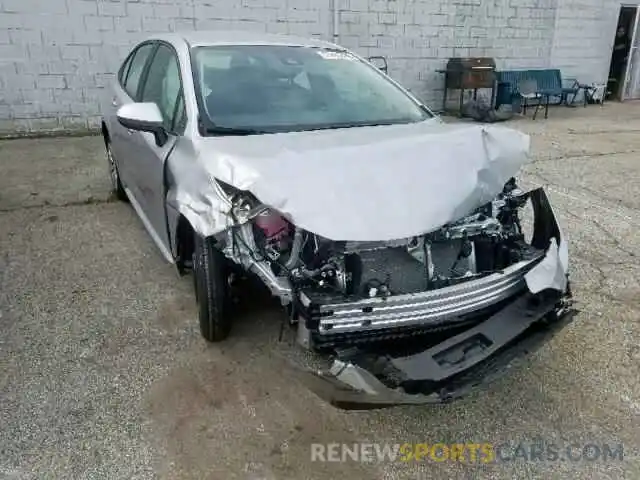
488	242
413	313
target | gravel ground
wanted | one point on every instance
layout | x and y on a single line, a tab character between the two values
104	374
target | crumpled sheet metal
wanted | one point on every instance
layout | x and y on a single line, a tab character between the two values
363	184
196	196
359	184
551	272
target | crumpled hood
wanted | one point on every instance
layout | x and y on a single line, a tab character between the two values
371	183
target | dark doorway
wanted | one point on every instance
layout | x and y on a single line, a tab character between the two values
621	47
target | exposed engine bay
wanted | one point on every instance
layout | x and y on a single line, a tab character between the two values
348	292
486	241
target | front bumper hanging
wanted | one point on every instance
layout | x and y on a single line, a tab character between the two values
453	367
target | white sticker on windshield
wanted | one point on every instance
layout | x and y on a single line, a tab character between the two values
333	55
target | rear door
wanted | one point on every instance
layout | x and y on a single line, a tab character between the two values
127	91
162	85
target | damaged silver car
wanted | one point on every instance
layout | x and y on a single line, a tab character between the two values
397	244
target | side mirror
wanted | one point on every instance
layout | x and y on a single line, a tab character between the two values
143	117
380	63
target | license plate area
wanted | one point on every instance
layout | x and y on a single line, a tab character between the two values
463	351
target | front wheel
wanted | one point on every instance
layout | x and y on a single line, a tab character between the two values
210	274
116	183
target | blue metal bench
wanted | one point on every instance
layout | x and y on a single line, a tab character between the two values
549	83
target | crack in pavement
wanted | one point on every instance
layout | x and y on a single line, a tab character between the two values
605	197
46	204
601	280
610	236
593	258
595	193
600	132
613	238
571	156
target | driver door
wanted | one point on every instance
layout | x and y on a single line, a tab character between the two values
162	86
125	92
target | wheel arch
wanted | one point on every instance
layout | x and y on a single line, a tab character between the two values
183	224
180	230
105	133
184	244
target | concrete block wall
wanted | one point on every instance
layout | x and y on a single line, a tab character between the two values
418	36
583	38
56	56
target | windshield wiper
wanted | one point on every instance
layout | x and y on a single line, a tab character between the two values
240	131
216	130
336	126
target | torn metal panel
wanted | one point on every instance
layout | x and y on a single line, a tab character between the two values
360	184
195	193
552	271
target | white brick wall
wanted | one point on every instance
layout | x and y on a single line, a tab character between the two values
583	40
57	55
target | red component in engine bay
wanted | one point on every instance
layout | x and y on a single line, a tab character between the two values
275	228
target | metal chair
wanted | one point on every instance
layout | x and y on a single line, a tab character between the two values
528	90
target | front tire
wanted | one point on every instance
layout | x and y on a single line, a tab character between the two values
116	183
210	274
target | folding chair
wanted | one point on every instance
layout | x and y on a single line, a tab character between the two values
528	90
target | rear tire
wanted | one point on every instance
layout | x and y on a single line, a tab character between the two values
210	275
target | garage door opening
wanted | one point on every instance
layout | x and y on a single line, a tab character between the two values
624	69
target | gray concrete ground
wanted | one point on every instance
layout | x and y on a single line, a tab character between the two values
104	374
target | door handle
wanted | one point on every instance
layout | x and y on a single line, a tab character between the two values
114	102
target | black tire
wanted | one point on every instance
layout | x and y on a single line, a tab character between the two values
116	184
210	275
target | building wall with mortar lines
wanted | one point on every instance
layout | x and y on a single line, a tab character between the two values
56	56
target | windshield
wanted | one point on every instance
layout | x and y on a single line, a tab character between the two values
284	88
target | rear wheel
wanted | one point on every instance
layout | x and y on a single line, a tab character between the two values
210	275
116	184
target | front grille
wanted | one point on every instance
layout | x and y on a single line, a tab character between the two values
331	320
392	334
395	267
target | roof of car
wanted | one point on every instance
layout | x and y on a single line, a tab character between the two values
240	37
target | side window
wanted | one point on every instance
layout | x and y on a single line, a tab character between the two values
164	88
124	69
180	118
138	62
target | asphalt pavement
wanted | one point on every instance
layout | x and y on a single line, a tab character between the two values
103	373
